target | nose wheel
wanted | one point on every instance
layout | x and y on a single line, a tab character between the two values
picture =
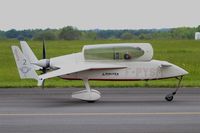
170	97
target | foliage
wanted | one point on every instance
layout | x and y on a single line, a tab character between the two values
12	34
89	35
2	35
70	33
47	35
183	33
198	28
126	36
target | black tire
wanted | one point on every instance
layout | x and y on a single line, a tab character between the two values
91	101
169	97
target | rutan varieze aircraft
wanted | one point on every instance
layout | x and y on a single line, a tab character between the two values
115	62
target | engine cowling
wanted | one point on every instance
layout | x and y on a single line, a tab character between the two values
44	63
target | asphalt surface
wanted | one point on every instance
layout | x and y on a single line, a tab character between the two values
120	110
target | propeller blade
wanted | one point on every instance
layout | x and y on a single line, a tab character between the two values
44	70
43	84
44	50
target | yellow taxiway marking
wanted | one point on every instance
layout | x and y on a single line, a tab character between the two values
100	114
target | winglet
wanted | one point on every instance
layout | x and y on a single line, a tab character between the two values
28	53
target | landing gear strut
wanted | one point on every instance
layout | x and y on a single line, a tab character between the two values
169	97
89	95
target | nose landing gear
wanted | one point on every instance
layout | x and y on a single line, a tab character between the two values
170	97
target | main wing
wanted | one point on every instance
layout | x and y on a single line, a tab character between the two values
71	64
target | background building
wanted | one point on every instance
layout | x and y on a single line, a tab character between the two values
197	36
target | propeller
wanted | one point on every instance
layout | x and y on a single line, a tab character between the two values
43	63
47	61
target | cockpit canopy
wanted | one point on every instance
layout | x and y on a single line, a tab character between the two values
121	51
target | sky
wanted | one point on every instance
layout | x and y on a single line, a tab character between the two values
98	14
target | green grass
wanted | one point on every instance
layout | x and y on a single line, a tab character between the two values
184	53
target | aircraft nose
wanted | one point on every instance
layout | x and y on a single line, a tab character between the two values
181	71
173	71
185	72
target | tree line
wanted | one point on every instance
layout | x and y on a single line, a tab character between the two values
72	33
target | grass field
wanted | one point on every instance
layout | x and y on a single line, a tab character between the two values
184	53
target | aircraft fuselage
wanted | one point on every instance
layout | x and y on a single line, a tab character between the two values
134	71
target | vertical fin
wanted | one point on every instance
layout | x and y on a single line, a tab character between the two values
25	69
28	53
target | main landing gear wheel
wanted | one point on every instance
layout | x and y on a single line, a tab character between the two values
170	97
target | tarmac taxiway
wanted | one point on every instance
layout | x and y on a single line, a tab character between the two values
120	110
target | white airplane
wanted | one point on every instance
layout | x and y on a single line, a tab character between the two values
115	62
